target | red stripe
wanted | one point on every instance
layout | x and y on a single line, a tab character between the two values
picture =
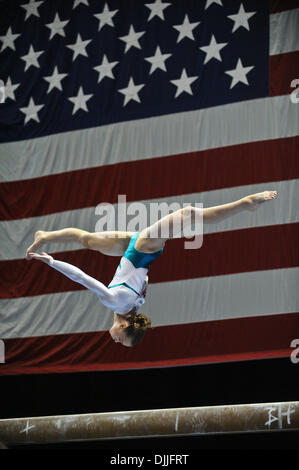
282	5
237	165
221	253
283	69
208	342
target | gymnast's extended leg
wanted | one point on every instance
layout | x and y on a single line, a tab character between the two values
215	214
151	238
108	243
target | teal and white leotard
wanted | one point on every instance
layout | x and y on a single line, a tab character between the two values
128	286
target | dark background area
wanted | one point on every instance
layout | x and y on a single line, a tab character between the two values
260	381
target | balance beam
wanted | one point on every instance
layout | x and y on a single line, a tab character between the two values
266	417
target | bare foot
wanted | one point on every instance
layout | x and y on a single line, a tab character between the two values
38	240
254	200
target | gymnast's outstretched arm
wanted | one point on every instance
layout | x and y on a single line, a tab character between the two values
107	297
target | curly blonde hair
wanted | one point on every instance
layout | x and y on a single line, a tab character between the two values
138	324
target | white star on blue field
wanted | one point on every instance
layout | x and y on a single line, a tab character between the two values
79	64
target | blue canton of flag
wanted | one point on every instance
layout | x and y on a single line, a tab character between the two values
70	65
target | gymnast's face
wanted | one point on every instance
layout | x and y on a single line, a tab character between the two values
118	334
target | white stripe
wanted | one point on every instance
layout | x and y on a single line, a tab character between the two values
193	300
69	312
284	28
219	126
17	235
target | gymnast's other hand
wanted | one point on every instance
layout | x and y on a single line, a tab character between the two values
44	257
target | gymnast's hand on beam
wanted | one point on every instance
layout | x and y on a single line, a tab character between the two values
44	257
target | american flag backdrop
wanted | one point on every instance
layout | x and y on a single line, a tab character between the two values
161	101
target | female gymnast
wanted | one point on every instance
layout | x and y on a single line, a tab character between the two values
126	292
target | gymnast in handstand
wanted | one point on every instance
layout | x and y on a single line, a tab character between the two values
126	292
